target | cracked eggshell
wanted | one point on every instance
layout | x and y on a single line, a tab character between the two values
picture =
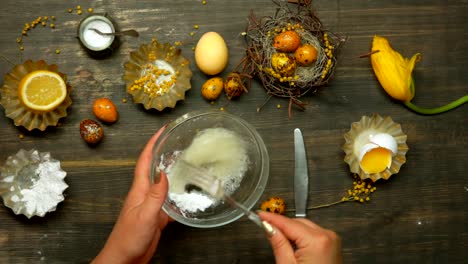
370	133
382	140
385	140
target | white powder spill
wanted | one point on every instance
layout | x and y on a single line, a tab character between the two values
218	150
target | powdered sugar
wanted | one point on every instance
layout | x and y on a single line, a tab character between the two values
46	191
32	183
221	152
192	202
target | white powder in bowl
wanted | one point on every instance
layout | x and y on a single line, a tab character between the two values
192	202
222	153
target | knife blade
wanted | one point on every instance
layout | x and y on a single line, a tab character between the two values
301	177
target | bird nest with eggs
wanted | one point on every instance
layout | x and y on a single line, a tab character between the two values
290	52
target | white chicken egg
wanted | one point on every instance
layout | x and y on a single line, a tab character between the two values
211	53
376	156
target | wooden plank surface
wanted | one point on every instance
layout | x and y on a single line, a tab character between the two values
418	216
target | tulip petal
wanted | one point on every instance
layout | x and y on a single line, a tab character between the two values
393	70
411	63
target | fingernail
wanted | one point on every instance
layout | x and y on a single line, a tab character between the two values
156	177
269	229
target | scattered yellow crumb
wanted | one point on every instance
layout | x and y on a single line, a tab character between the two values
192	33
69	10
57	51
195	26
90	10
78	7
21	136
222	108
212	102
52	25
204	2
278	106
124	100
21	48
79	12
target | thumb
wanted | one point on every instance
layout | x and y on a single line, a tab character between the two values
282	248
155	197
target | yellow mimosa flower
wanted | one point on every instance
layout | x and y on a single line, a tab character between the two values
393	70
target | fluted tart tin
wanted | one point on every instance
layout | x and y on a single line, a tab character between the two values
17	111
381	137
32	183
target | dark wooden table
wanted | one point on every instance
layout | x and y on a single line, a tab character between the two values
418	216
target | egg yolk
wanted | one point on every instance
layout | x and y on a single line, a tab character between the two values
376	160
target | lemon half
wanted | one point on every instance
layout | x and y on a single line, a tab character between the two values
42	90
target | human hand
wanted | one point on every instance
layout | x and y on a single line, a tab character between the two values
313	243
136	233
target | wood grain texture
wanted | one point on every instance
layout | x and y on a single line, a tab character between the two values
418	216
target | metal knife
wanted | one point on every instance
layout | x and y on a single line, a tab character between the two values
301	177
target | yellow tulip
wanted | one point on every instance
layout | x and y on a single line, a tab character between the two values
394	74
392	70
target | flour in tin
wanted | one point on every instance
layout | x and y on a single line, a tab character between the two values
32	183
45	192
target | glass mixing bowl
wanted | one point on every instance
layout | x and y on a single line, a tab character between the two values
179	134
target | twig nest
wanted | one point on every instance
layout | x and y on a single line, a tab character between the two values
157	75
16	109
32	183
285	33
375	147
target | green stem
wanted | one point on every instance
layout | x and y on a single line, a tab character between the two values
437	110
